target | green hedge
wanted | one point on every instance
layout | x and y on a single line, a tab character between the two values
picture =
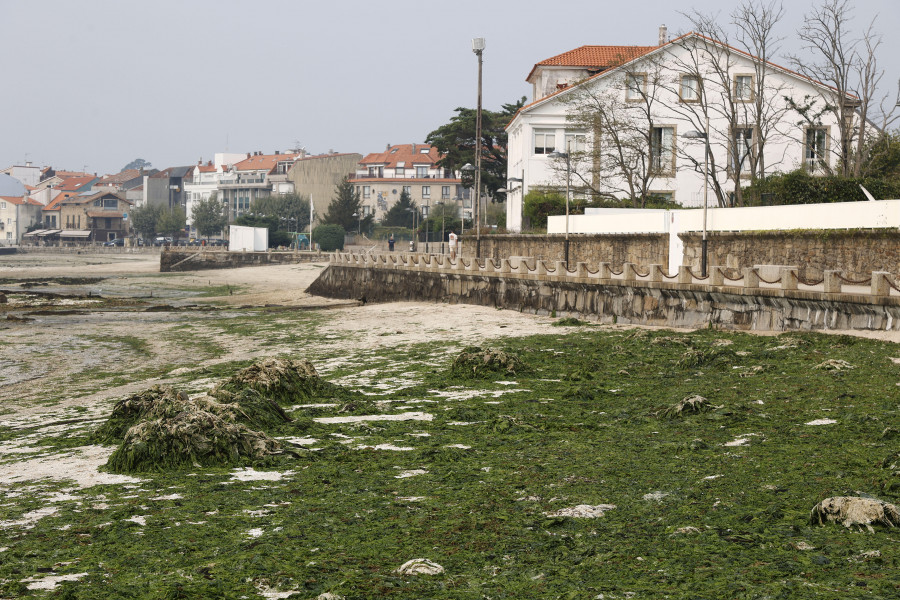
329	237
799	187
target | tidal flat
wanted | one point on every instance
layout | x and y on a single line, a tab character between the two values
591	469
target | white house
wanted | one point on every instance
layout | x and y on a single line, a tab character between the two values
635	122
17	214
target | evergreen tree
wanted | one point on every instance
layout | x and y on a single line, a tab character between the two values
144	218
346	209
401	213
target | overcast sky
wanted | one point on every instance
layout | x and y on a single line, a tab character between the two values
94	84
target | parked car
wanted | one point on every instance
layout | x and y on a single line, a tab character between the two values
216	242
115	242
162	241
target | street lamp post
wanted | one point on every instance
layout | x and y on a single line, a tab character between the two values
443	213
566	156
478	49
358	223
704	135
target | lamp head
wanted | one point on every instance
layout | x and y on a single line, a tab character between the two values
477	45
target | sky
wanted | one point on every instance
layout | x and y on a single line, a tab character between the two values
92	85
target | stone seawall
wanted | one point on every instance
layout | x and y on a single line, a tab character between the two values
199	260
638	302
638	248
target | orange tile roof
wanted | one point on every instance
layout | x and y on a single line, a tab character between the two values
122	177
206	168
594	57
263	162
409	154
75	183
70	174
56	202
20	200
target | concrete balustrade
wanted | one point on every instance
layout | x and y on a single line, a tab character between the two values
789	278
833	282
751	278
631	272
880	286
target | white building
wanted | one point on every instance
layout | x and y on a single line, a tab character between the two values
17	214
205	179
643	100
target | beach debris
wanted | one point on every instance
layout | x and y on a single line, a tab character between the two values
835	365
855	511
582	511
690	404
420	566
475	362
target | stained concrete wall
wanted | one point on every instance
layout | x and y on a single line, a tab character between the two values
198	260
857	253
638	248
639	302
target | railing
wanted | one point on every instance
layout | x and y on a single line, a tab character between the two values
879	284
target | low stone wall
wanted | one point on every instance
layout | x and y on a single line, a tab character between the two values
203	259
856	253
609	301
639	248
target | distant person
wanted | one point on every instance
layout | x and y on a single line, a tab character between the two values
452	239
391	243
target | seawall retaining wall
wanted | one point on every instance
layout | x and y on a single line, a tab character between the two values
198	260
610	300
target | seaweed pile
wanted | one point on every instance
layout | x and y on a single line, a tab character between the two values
162	428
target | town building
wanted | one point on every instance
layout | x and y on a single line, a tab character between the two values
257	176
17	215
317	176
381	178
632	122
94	216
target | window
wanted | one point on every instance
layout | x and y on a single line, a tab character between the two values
635	86
407	189
575	142
690	88
367	191
426	191
445	192
743	88
665	196
425	210
111	203
399	171
421	172
815	153
662	150
743	146
2	204
467	203
366	210
544	141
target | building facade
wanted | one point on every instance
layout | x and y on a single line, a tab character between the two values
381	178
17	214
642	121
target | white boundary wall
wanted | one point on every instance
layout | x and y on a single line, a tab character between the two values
249	239
881	214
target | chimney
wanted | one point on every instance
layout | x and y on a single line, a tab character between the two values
388	147
248	155
663	35
414	148
277	152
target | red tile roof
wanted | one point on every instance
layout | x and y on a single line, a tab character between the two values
56	202
75	183
594	57
409	154
122	177
69	174
20	200
263	162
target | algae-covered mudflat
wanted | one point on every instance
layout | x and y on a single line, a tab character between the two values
607	463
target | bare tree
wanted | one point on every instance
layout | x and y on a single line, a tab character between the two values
742	103
617	112
848	66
